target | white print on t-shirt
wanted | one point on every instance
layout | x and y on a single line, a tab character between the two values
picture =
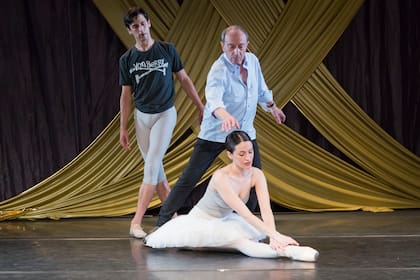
148	67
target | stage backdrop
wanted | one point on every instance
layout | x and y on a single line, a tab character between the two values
339	158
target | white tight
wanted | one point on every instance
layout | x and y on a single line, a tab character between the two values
254	249
262	250
154	133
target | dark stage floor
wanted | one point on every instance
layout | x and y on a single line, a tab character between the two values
352	245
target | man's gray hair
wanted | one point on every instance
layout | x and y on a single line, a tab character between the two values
233	27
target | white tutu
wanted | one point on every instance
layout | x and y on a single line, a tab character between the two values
198	229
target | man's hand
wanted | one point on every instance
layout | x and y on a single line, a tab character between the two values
125	140
228	121
200	115
278	114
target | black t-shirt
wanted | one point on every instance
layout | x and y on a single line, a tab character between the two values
150	74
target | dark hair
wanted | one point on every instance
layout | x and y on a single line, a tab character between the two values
233	27
132	13
234	138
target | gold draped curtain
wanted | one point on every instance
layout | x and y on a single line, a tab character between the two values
291	41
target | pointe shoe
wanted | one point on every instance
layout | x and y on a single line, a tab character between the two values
301	253
136	231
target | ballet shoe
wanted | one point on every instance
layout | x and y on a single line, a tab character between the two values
136	231
301	253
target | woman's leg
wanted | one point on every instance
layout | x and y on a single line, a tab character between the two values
262	250
300	253
254	249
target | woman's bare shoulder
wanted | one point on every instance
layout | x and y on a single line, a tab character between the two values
256	172
220	173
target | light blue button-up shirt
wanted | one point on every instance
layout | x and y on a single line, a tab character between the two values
225	89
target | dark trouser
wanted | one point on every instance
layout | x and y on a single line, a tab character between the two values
203	155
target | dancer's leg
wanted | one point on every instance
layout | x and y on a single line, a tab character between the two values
153	133
163	190
146	193
300	253
254	249
154	145
262	250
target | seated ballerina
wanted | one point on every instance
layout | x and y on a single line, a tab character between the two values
222	220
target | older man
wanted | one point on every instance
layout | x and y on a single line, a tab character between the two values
235	85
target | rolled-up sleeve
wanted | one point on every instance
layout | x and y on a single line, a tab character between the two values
265	97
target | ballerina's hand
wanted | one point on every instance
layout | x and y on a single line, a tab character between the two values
282	242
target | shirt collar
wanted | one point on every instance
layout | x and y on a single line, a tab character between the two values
231	65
